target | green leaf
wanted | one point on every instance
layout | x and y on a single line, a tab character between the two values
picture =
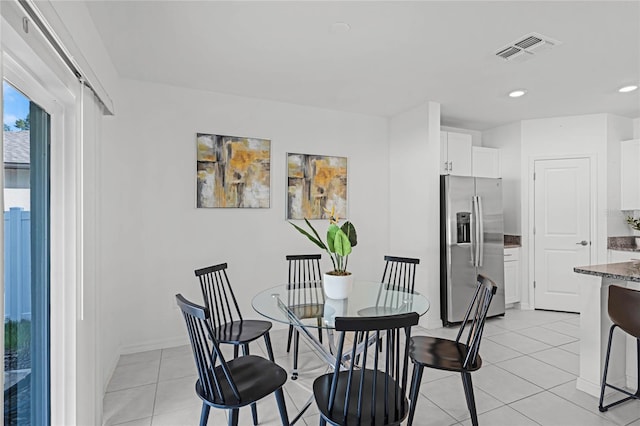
315	232
341	243
350	232
316	241
331	236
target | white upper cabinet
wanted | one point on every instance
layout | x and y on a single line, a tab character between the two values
486	162
455	154
630	175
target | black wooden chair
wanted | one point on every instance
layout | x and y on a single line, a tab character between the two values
233	384
623	307
225	319
372	391
454	355
305	298
400	273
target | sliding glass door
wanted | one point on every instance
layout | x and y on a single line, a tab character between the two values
27	257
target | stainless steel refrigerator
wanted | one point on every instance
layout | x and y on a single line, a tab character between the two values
471	243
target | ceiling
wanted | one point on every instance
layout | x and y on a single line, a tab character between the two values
396	55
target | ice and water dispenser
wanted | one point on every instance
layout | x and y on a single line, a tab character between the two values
463	226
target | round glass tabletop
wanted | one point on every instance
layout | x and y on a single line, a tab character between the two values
313	309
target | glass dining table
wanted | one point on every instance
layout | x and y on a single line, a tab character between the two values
306	308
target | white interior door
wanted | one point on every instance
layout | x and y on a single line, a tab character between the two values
562	230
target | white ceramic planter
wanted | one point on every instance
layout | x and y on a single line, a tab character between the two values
337	286
334	308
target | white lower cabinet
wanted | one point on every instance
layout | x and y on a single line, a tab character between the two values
511	275
617	256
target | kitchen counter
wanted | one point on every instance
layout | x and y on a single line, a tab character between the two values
595	323
511	241
625	271
626	243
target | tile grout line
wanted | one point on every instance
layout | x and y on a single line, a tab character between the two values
155	396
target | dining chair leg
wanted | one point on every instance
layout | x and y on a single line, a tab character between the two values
416	379
638	366
233	417
289	338
320	329
267	342
282	407
603	385
235	351
468	393
296	343
204	416
254	408
323	422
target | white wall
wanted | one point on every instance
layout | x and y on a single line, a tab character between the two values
636	128
508	139
618	129
414	229
153	237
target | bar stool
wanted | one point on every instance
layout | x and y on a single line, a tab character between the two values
624	311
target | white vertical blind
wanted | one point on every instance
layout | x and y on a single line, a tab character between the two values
76	380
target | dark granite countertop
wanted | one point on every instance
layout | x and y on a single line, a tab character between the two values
511	241
625	271
626	243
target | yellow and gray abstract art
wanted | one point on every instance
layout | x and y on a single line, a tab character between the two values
233	171
316	182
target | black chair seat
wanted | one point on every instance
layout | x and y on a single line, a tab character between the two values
241	332
322	386
255	378
441	354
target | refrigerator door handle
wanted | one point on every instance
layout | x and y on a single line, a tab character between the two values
480	231
474	230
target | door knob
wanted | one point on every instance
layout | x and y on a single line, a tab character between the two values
583	243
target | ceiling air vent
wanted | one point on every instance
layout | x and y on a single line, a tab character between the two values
525	46
528	42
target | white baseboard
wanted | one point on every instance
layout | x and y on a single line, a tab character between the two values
632	382
592	389
111	365
152	345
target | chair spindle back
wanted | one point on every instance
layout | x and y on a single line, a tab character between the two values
479	307
218	295
400	273
306	277
363	369
216	381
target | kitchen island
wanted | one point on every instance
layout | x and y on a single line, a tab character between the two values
595	324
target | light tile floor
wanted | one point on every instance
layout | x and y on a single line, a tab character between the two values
528	378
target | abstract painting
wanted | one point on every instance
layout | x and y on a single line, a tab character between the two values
233	171
315	183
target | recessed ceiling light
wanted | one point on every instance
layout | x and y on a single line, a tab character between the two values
517	93
340	27
627	89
